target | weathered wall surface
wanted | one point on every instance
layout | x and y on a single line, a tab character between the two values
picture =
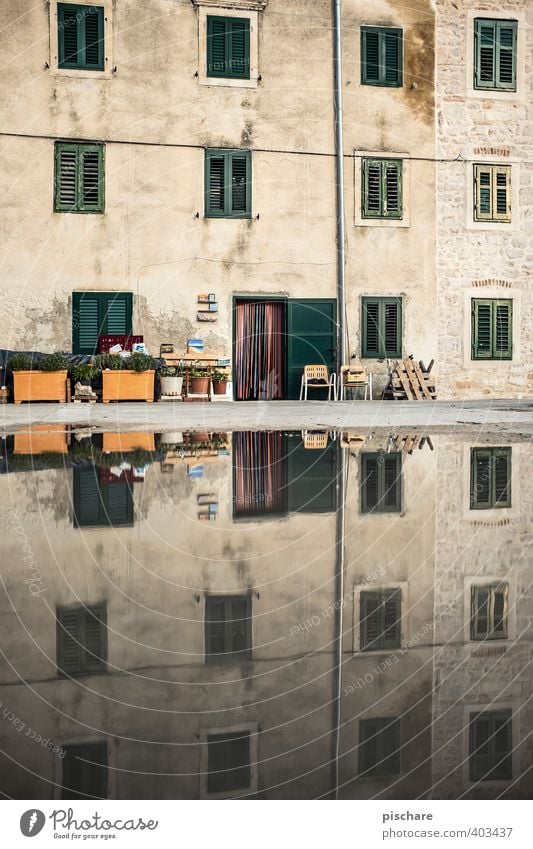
493	260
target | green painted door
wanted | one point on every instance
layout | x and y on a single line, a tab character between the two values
312	340
311	477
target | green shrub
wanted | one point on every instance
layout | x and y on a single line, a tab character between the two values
85	371
139	362
21	362
54	362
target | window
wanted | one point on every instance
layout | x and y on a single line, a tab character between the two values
381	482
382	188
100	505
80	36
379	746
381	56
380	620
492	193
97	314
382	327
492	329
81	639
228	762
79	177
228	184
490	478
489	612
228	47
85	771
490	745
495	54
228	633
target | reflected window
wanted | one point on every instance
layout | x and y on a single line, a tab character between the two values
490	478
379	746
82	639
489	612
228	628
97	504
228	762
85	771
381	483
380	618
490	745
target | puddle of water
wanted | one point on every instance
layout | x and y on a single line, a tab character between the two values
277	615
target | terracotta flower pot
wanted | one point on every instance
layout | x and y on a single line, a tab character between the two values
126	385
199	385
219	387
40	386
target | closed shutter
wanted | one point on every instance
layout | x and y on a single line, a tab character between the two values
370	620
79	177
228	762
503	329
91	178
495	54
392	172
311	477
66	177
392	331
85	771
215	623
381	56
492	193
502	745
390	748
499	625
69	647
97	314
239	625
379	746
86	497
490	478
95	638
240	48
239	183
382	188
480	613
392	603
381	482
228	47
502	477
480	490
482	329
228	628
93	37
81	639
216	46
371	337
369	482
490	745
117	503
228	184
371	200
217	196
492	326
67	36
480	731
382	327
81	37
380	620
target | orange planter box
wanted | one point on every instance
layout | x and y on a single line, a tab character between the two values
128	442
125	385
40	386
42	439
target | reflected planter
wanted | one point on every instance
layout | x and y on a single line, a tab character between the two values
40	386
126	385
171	386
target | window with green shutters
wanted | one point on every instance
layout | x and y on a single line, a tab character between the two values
489	608
381	56
100	505
81	639
79	177
490	478
492	193
228	47
492	329
97	314
381	327
85	771
382	188
491	745
228	762
381	482
495	54
380	620
80	36
228	631
379	746
228	184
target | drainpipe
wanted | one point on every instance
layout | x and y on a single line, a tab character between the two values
340	563
339	147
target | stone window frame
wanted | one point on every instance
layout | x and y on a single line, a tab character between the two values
492	226
521	47
112	759
486	580
493	516
253	728
499	293
55	70
359	157
382	586
239	9
516	738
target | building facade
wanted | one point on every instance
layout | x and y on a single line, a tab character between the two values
171	172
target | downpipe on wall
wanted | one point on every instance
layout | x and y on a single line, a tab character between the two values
339	148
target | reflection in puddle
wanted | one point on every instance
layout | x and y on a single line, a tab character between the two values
279	615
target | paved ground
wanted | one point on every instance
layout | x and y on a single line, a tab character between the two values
488	416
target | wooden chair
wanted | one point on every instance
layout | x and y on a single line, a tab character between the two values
315	440
318	377
355	377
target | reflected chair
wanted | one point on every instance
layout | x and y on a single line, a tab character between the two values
355	377
318	377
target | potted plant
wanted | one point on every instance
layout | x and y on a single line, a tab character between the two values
85	373
198	380
127	378
171	381
43	380
220	382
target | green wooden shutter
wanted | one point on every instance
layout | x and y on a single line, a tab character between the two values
372	200
382	327
96	314
380	620
481	329
392	189
492	193
311	477
117	505
381	482
239	624
95	637
228	628
69	645
228	184
379	746
502	745
495	54
85	771
91	177
86	497
490	745
215	194
228	762
216	47
370	620
381	56
480	731
240	48
215	624
392	320
492	329
79	177
499	616
81	37
370	331
66	177
479	626
239	184
501	470
381	188
81	639
490	478
502	329
228	47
